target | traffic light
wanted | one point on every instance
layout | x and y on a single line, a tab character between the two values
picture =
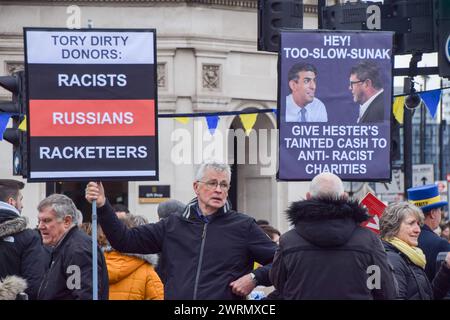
416	21
274	15
442	20
411	20
347	16
16	107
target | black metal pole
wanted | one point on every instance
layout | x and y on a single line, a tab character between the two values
442	126
408	87
320	5
422	132
407	138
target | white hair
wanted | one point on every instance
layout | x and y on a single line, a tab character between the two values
221	167
327	185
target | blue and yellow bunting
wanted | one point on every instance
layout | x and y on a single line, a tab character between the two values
431	100
212	122
4	119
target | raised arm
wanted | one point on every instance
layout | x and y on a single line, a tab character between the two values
143	239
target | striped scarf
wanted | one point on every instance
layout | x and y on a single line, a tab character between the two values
194	204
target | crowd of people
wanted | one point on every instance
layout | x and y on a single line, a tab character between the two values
206	250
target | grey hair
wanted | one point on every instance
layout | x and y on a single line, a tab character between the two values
79	218
61	204
393	217
221	167
326	185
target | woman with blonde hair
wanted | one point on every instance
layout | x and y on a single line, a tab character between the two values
399	230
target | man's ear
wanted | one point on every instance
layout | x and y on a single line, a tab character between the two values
195	186
291	85
11	201
67	221
308	196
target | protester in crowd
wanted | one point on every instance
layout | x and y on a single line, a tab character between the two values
87	227
121	210
428	199
169	207
262	292
328	255
273	233
208	252
445	231
70	274
164	210
400	229
131	276
262	222
21	251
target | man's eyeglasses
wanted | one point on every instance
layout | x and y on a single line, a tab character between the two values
212	185
355	82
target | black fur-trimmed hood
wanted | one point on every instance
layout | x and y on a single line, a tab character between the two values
326	222
12	226
325	209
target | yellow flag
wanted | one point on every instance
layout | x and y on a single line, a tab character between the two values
248	121
399	103
182	120
23	124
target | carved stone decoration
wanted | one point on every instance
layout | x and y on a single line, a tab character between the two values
12	67
161	75
211	76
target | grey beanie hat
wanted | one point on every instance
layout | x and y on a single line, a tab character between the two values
169	207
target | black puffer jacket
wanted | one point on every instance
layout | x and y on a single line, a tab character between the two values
21	252
413	283
329	256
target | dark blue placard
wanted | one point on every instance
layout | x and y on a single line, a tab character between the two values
353	151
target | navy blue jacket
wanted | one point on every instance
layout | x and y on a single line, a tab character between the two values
431	244
200	259
21	252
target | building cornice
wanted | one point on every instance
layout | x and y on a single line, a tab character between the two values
248	4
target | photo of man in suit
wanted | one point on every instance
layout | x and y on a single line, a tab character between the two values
301	104
367	90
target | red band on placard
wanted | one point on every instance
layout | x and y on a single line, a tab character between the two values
71	118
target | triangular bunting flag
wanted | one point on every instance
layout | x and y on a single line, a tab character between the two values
212	122
248	121
398	108
4	118
182	120
431	100
23	124
275	111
